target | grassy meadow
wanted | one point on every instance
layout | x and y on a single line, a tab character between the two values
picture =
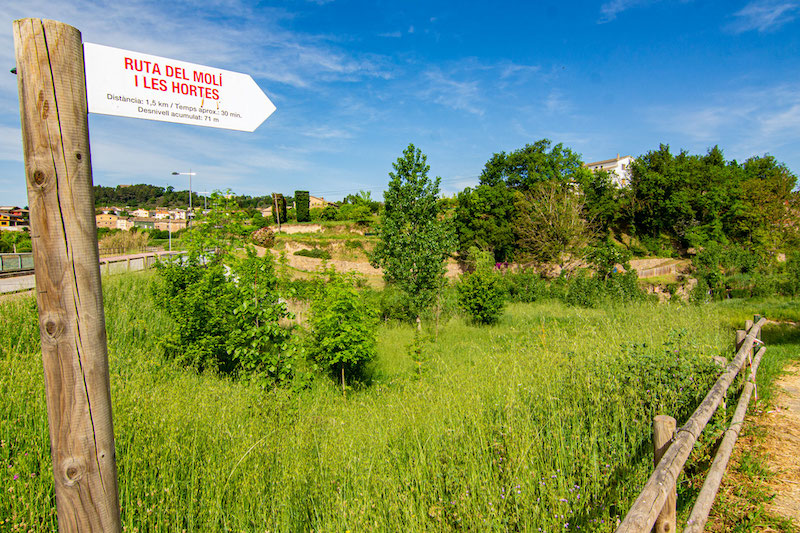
541	423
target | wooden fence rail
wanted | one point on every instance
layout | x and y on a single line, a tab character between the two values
648	506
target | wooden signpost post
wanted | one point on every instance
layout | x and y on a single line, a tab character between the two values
52	80
58	170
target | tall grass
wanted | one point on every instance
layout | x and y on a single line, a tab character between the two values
542	421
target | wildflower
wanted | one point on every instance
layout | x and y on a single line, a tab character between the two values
16	477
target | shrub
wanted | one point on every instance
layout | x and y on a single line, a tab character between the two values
263	237
226	323
329	212
525	286
792	270
256	342
199	299
343	329
481	296
392	304
317	253
583	290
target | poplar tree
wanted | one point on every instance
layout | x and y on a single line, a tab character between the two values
415	241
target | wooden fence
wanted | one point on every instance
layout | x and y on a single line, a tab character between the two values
655	505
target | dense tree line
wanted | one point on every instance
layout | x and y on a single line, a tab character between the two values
535	201
151	196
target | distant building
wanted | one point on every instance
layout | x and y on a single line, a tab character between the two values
141	213
619	168
144	223
124	223
106	220
13	216
161	214
315	201
169	225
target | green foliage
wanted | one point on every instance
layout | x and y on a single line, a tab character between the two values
439	450
604	203
550	226
362	200
280	201
484	218
605	256
257	343
14	241
525	286
317	253
698	199
218	231
329	212
343	328
301	202
533	164
226	323
481	294
414	241
199	299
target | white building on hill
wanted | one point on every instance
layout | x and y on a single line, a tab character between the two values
619	168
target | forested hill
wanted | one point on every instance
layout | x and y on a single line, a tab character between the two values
150	196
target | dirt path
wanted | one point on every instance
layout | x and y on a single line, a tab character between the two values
782	445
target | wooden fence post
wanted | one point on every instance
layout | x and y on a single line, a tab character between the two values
55	136
663	434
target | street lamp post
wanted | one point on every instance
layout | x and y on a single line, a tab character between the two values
205	199
190	174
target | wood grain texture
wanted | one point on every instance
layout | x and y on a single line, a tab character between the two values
663	435
53	111
705	500
645	510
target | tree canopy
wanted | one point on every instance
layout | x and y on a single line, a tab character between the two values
414	240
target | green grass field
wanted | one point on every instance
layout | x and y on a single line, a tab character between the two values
541	423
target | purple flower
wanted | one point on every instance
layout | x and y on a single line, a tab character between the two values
16	477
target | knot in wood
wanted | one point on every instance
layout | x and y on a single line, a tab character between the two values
73	471
38	177
78	156
45	111
53	326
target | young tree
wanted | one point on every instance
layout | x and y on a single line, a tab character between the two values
414	241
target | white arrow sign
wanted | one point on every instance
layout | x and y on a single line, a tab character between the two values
131	84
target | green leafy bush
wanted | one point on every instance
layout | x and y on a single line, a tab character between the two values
343	327
317	253
525	286
583	290
257	343
199	299
481	295
226	321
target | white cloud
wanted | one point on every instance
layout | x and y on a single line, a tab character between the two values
764	15
746	122
612	8
445	90
223	33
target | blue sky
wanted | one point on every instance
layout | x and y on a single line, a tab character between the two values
354	82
